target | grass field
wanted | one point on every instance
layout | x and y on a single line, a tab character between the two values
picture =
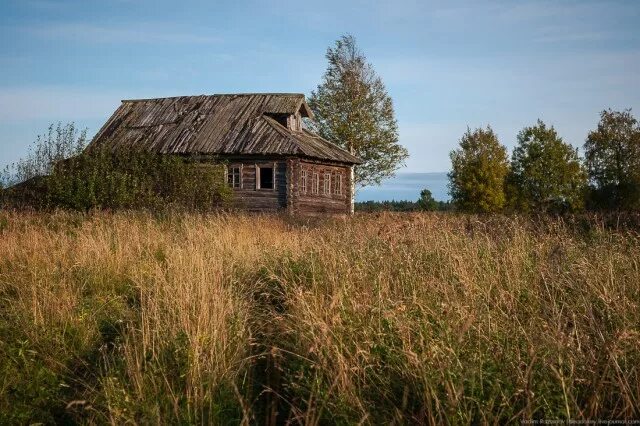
424	318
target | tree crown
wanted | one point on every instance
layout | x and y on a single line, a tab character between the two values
479	167
545	172
612	154
354	110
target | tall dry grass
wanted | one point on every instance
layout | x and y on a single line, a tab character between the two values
425	318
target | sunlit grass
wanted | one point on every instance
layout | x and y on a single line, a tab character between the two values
422	318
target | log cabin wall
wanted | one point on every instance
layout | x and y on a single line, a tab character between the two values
246	131
249	195
327	191
320	187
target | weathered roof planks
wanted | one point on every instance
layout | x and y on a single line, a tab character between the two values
235	124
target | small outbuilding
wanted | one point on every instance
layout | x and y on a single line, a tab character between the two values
273	162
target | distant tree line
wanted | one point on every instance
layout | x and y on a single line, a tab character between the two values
426	202
545	174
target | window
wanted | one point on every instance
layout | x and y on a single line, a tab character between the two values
265	177
315	183
337	186
327	184
303	181
233	177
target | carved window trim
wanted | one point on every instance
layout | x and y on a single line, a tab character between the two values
315	183
234	176
337	187
303	181
326	184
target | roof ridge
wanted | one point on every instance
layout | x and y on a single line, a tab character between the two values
215	95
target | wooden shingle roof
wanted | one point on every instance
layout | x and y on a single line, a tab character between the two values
216	124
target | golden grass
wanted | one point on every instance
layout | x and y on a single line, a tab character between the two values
422	318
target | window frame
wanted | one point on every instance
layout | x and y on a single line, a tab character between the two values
231	173
258	168
326	184
303	181
337	188
315	183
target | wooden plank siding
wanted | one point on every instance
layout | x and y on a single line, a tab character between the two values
247	131
249	196
288	193
308	203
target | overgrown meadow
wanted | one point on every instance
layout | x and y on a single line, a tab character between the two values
228	319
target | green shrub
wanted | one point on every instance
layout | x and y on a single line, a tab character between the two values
133	179
60	172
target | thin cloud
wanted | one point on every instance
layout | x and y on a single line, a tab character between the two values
41	4
55	103
572	37
499	10
563	33
135	33
538	10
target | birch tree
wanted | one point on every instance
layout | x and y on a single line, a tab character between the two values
354	110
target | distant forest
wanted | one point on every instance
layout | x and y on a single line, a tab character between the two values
424	203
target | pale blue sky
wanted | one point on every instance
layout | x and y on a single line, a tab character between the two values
447	65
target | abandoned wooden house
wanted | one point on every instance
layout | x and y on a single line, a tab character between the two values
273	162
